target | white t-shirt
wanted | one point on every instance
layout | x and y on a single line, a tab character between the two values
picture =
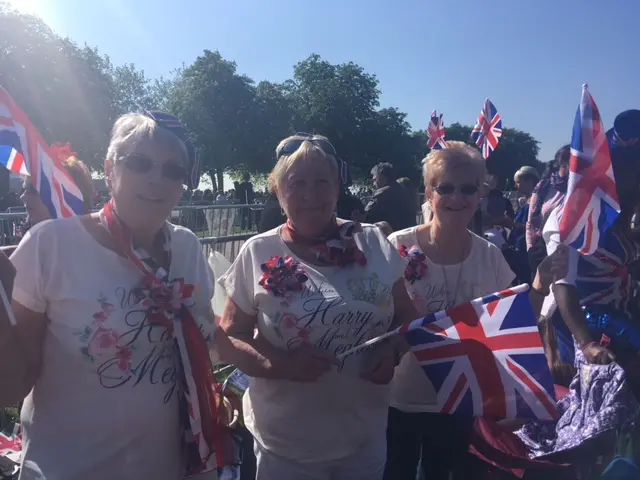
105	405
484	271
337	309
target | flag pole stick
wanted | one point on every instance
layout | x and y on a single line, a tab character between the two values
368	343
479	301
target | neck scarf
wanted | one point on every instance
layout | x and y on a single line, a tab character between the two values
166	307
337	247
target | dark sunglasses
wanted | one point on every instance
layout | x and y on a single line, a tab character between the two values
136	163
293	145
447	189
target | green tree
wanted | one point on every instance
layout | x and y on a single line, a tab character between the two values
215	103
133	90
66	91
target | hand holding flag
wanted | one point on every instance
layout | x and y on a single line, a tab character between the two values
24	151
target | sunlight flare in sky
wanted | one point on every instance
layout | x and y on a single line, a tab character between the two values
33	7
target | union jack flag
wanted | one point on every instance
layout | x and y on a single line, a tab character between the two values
487	132
24	151
591	205
486	358
436	132
11	445
603	278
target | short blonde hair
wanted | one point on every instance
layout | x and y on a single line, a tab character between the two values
455	156
306	150
133	127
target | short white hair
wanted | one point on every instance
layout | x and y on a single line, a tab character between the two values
134	127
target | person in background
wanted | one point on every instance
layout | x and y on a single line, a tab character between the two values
207	196
526	179
245	195
222	199
313	415
595	300
93	335
349	206
391	202
494	203
447	265
547	195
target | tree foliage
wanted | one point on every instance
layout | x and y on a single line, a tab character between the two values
74	94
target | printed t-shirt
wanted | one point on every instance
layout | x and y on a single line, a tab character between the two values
484	271
336	309
105	404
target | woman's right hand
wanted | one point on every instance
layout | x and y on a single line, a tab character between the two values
307	363
598	354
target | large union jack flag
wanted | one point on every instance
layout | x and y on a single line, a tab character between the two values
486	358
24	151
436	132
487	132
591	205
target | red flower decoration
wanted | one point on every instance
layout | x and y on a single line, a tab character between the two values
417	267
282	276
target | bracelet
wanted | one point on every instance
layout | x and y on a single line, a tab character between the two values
590	344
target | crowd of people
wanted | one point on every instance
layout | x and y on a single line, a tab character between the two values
109	340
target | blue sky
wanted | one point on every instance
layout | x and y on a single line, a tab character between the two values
530	57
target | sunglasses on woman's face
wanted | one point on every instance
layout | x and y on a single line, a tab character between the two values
448	189
136	163
293	145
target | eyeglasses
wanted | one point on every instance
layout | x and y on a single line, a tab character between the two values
137	163
293	145
447	189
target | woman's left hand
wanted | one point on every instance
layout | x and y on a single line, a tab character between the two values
380	364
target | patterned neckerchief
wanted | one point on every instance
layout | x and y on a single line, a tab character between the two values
165	300
337	247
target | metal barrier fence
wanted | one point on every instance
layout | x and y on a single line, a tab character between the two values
221	227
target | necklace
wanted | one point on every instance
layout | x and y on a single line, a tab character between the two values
450	302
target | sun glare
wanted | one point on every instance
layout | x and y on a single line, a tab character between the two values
33	7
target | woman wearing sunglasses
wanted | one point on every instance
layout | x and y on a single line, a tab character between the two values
447	265
109	311
299	296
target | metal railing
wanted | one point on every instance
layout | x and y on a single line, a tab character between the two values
220	227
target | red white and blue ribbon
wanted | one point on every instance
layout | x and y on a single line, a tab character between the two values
166	302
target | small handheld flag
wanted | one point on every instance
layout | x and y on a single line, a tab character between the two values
488	131
484	358
24	151
591	205
436	132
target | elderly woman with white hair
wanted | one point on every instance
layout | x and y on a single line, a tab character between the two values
300	296
110	310
447	265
